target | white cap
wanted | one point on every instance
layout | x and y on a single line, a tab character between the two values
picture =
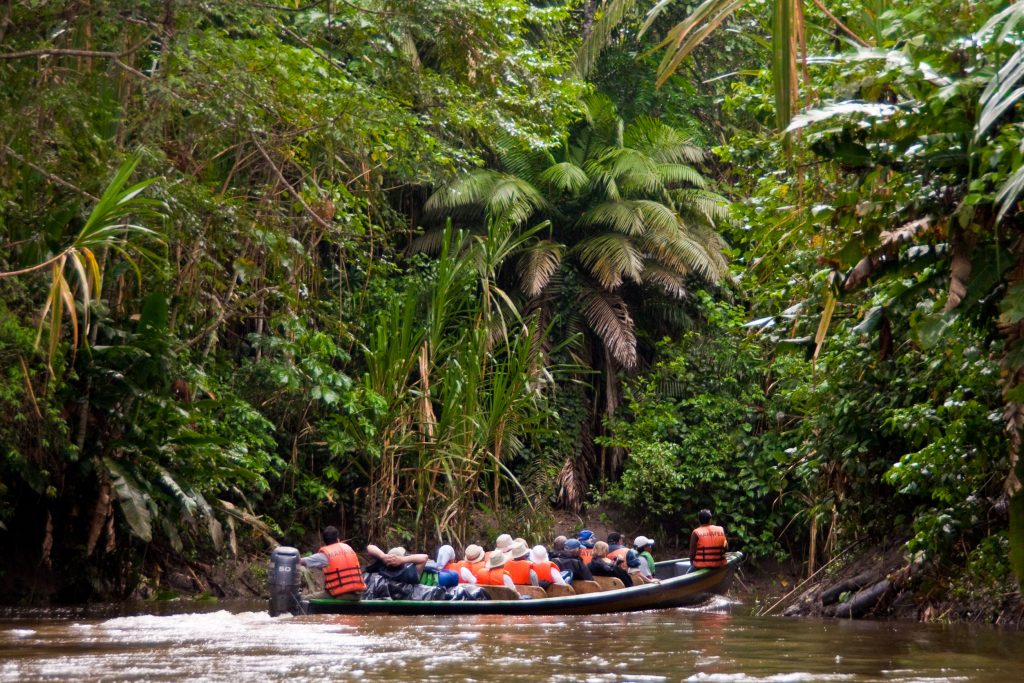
641	541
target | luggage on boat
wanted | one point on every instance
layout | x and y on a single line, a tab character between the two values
379	587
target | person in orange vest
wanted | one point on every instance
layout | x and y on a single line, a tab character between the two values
519	566
493	572
587	540
547	572
342	577
707	543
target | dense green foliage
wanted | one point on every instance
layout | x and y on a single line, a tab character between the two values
418	268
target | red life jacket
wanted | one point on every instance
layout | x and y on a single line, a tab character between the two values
546	571
619	553
711	543
342	574
519	570
491	577
586	555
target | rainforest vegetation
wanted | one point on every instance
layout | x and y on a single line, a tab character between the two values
407	265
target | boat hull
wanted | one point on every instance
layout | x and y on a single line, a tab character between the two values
678	591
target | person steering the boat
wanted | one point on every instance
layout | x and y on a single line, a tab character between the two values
340	565
707	544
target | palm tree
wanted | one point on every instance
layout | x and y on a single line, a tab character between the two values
626	217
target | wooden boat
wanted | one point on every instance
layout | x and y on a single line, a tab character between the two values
675	590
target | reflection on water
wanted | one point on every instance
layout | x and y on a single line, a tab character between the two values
698	645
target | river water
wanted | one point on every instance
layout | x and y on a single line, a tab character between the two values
716	643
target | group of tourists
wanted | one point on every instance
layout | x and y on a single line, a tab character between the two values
512	562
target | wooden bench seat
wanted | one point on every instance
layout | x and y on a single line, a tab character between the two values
583	587
609	583
535	592
556	590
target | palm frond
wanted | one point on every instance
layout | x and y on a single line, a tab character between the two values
683	253
468	190
564	177
685	36
519	159
708	206
608	315
681	173
661	142
611	257
1000	95
667	279
514	199
536	266
626	165
612	13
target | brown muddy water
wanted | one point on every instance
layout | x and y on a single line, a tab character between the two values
720	642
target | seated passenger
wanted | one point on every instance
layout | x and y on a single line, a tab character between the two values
438	572
569	560
519	566
501	544
602	565
644	546
468	567
557	547
547	572
493	573
396	564
586	539
616	549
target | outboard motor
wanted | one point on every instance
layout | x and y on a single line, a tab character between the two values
285	581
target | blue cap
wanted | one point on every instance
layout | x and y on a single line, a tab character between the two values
586	535
572	544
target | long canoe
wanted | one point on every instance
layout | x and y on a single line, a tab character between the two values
673	591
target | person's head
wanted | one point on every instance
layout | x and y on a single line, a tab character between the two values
572	547
614	538
330	535
539	554
474	553
559	544
518	550
600	549
520	539
398	551
643	543
496	559
704	516
585	535
503	542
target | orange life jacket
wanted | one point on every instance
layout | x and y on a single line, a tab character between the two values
519	570
546	571
342	574
490	577
586	555
622	552
711	544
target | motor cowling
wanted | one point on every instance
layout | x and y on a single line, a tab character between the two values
284	581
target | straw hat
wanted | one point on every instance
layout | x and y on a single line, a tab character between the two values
503	542
517	550
496	560
398	551
474	553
